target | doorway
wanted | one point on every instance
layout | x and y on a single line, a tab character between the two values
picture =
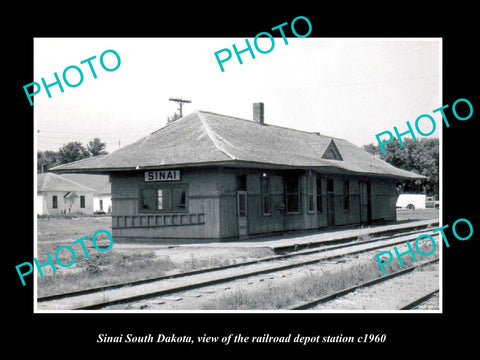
242	219
365	203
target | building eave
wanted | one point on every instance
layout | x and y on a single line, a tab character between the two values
242	164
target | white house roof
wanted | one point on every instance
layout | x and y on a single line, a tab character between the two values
53	182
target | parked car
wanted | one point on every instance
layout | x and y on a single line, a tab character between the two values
431	202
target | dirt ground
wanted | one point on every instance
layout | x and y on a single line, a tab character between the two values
417	214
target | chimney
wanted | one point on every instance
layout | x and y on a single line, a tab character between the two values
258	113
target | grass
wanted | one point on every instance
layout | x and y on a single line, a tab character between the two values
70	228
102	269
113	267
117	265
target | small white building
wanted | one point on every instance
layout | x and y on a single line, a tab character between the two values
102	197
58	195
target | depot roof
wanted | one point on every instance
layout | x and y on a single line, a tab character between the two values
208	139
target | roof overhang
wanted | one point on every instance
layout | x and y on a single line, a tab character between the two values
334	170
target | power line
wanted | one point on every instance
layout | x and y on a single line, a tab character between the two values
180	103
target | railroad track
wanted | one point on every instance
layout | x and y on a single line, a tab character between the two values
324	246
96	298
419	301
324	299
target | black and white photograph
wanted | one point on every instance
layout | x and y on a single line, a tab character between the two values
216	201
213	183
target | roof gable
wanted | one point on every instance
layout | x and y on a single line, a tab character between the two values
332	153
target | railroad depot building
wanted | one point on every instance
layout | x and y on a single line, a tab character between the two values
214	177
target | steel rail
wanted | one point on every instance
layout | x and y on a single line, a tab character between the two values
324	299
420	300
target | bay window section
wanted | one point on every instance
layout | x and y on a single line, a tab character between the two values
163	199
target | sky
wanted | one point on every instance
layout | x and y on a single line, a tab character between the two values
350	88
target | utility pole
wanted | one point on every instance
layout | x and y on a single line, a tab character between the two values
180	103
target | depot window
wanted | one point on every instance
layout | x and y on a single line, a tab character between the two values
163	199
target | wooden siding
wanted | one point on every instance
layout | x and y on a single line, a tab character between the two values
257	222
200	220
212	204
134	221
384	199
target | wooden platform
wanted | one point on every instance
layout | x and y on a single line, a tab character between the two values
289	240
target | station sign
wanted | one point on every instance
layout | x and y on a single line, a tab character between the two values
162	175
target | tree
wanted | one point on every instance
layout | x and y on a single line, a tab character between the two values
46	160
96	147
72	151
173	118
421	156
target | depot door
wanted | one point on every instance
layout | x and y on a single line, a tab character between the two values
242	219
365	203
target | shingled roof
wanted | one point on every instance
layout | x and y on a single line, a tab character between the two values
205	138
100	183
53	182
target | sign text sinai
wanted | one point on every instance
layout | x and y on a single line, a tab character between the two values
162	175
